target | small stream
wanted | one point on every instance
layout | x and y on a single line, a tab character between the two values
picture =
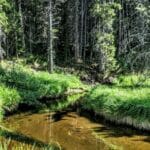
72	132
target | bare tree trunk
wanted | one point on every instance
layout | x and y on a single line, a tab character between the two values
2	52
16	44
77	48
30	32
82	27
16	35
120	33
30	39
1	56
85	30
50	42
22	24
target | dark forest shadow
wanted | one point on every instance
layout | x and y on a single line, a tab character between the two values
122	131
56	116
111	129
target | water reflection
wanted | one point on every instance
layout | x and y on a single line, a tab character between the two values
72	132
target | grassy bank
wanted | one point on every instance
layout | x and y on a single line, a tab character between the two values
9	99
5	145
14	140
126	102
23	85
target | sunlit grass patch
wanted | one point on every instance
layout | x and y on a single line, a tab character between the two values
133	80
24	85
5	145
120	103
9	99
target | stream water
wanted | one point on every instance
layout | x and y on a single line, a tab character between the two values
72	132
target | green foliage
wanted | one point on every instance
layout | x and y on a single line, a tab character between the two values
9	99
3	18
121	100
105	14
133	41
10	24
132	80
106	11
104	32
31	86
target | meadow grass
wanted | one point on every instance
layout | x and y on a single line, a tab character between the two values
22	85
124	102
9	99
133	80
5	145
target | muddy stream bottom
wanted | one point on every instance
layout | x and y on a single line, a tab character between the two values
71	132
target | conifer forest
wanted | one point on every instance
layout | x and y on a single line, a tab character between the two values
74	74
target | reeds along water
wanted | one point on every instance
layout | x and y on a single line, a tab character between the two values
145	124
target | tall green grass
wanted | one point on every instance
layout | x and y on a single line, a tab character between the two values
14	140
22	85
5	145
123	102
133	80
9	99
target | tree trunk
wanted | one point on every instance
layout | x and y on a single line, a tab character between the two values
30	39
82	27
1	56
50	41
85	30
77	48
22	24
15	32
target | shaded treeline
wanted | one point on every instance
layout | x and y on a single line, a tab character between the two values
108	35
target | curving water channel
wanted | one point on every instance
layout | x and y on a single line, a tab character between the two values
72	132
